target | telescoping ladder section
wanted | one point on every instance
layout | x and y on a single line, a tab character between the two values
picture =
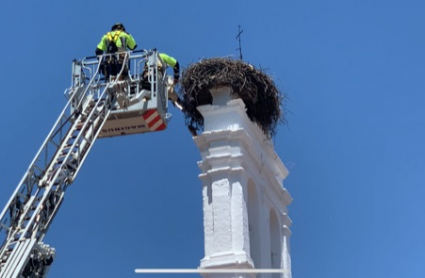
40	193
29	212
27	216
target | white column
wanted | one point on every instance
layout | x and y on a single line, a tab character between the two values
241	174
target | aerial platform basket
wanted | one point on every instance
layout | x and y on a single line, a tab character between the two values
134	107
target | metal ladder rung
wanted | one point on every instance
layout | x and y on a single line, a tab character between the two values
14	241
56	183
67	147
62	155
65	153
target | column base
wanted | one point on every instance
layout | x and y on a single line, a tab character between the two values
228	260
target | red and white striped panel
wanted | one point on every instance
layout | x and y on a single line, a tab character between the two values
153	120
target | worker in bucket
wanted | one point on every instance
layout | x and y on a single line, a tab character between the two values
173	63
117	40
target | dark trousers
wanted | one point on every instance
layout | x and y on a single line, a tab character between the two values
112	67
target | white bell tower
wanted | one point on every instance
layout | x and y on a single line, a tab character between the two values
246	222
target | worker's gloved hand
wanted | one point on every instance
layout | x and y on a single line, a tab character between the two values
98	51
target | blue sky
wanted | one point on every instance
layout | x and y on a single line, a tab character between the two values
354	146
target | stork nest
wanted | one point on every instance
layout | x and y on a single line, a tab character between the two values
263	101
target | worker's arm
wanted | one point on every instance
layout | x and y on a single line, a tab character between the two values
172	63
131	42
101	47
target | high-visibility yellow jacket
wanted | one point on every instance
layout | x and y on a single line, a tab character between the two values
122	40
170	61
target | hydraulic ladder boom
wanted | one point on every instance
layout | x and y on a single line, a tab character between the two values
29	212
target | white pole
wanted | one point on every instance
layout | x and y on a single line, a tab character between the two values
217	270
